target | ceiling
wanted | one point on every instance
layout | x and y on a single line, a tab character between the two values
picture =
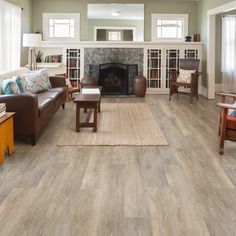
127	11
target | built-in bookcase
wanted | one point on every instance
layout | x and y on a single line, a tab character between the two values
160	61
73	66
154	68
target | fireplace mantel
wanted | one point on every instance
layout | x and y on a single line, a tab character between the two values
92	44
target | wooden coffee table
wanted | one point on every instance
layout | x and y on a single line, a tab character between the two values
87	101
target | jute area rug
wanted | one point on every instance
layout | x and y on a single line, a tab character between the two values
126	124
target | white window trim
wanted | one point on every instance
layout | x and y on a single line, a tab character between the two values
74	16
155	17
115	28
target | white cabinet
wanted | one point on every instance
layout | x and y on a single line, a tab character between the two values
159	60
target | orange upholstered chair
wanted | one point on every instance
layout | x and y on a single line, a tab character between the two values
227	128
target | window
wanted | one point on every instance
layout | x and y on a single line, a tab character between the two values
114	35
10	36
228	62
58	26
169	26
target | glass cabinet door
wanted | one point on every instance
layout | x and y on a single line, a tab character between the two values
172	64
154	69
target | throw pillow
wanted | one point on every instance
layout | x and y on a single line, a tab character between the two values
185	76
9	86
21	82
232	112
37	81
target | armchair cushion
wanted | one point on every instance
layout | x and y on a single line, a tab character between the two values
231	122
232	112
185	76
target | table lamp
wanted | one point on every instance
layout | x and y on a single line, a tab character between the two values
32	41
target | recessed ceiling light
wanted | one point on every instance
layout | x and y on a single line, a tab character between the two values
115	13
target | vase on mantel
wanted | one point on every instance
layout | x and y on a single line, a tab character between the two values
140	86
88	80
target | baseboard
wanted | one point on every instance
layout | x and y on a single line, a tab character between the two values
204	92
218	88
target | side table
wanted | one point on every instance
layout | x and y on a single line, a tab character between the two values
6	135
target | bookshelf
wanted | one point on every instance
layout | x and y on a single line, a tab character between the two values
161	60
154	68
172	64
73	66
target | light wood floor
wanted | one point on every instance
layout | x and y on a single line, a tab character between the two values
185	188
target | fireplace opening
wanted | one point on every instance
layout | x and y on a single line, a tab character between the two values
113	77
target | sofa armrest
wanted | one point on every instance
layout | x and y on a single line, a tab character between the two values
25	106
57	81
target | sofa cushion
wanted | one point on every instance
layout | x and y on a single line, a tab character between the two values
37	81
21	82
19	72
9	86
46	106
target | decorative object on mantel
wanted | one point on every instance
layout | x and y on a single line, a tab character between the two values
88	80
188	38
140	86
196	38
32	41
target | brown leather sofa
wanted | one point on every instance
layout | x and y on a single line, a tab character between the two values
34	110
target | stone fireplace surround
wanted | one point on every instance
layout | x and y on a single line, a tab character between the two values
93	57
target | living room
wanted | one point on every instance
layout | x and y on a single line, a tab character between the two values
117	118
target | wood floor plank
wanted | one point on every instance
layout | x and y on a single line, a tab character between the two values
185	188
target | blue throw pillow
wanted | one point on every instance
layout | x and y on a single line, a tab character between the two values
9	86
21	82
232	112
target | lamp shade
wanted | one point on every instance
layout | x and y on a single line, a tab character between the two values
32	40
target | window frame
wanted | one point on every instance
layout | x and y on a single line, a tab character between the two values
58	16
183	17
115	28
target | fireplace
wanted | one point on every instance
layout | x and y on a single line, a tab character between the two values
116	78
113	77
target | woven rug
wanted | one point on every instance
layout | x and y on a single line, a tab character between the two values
128	124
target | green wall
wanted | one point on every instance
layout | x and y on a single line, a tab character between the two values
27	25
80	6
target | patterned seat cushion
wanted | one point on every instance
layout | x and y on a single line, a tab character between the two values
185	76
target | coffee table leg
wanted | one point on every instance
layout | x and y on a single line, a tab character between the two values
95	118
99	105
77	117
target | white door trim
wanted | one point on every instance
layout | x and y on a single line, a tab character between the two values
211	42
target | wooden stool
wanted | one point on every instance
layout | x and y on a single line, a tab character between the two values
6	135
87	101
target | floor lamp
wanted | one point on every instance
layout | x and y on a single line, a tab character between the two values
32	41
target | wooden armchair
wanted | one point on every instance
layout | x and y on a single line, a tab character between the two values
227	127
185	64
70	89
